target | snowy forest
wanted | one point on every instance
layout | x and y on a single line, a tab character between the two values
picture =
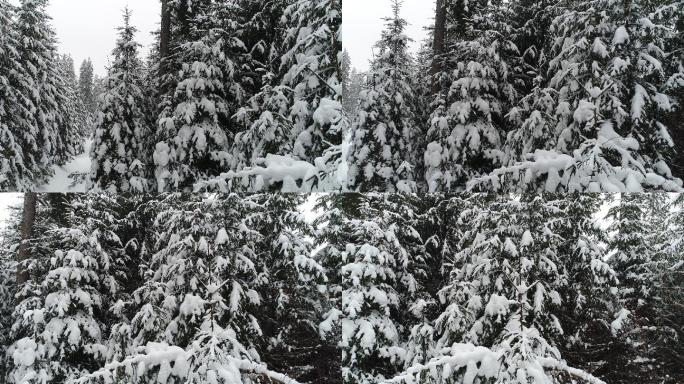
237	95
343	288
522	96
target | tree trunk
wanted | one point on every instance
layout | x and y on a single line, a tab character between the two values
29	218
165	34
438	44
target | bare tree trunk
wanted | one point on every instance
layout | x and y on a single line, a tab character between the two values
438	43
29	218
164	37
165	33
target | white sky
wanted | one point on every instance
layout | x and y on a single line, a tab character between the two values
363	24
87	28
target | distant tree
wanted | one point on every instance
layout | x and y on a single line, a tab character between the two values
86	87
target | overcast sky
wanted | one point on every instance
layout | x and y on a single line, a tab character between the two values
87	28
363	24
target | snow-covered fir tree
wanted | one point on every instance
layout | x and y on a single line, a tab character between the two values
60	323
86	90
501	298
196	314
464	140
315	41
9	242
293	290
74	116
644	270
600	117
381	132
117	154
263	119
382	264
16	171
46	136
195	125
590	300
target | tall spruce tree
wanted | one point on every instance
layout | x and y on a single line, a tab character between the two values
501	298
17	167
86	89
313	72
46	134
118	153
59	323
599	122
195	126
464	140
381	132
74	116
643	269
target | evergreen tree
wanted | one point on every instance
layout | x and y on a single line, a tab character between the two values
466	125
263	126
293	294
598	120
46	134
195	125
59	322
9	242
346	79
642	268
16	168
313	73
118	154
590	300
75	119
196	317
86	89
333	234
501	299
381	133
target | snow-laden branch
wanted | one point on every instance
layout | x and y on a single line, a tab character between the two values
162	355
557	365
468	362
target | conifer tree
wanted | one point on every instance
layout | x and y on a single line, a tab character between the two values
196	318
118	153
59	322
600	122
195	126
313	73
466	125
642	268
16	169
46	140
381	133
590	300
346	76
74	121
86	89
9	242
263	125
501	298
293	298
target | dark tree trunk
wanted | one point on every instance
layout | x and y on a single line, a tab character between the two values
438	43
29	218
165	34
